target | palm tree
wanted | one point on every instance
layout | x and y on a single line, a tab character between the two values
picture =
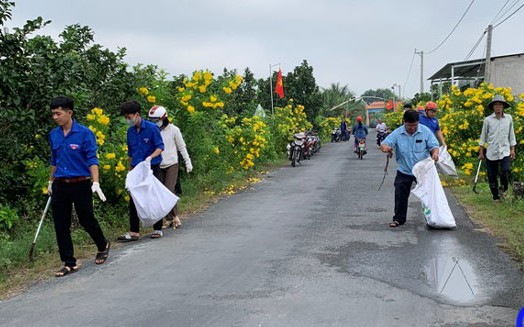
333	96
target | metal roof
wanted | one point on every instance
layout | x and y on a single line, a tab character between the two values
466	69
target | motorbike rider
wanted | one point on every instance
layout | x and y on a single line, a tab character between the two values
381	131
360	131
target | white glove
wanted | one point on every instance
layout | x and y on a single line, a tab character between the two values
50	188
95	188
189	166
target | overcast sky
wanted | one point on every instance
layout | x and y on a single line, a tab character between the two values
365	44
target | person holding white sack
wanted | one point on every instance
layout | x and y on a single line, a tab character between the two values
411	143
173	143
144	143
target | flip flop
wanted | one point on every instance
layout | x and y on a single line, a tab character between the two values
101	256
394	224
66	270
157	234
128	238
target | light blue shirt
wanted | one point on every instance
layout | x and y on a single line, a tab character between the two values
410	149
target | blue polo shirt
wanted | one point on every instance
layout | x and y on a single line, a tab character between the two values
74	153
141	144
431	123
410	149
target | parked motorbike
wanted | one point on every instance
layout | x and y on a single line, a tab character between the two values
295	148
314	141
336	135
361	149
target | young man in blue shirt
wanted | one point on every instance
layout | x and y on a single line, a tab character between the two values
411	142
428	118
74	165
144	142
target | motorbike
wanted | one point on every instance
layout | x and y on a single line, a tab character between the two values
314	142
336	135
361	148
295	148
381	136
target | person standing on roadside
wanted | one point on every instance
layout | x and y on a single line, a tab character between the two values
499	134
144	143
169	167
74	164
412	142
428	118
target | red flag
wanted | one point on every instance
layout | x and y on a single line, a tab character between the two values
279	87
389	105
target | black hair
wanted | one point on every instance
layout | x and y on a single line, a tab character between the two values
130	107
165	122
64	102
408	106
359	124
410	116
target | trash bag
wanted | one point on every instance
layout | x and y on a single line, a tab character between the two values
153	201
445	163
430	192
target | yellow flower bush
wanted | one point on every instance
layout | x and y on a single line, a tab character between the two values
461	116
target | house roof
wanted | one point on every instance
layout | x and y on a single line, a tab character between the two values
466	69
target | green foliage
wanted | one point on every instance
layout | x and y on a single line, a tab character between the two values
8	217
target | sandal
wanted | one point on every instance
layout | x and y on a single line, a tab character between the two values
128	237
101	256
66	271
177	223
168	223
157	234
394	224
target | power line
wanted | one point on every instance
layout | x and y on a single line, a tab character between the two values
409	71
513	13
507	10
475	46
453	30
497	15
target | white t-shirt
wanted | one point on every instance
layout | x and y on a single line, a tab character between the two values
381	128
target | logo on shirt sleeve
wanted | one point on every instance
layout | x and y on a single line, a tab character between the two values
74	146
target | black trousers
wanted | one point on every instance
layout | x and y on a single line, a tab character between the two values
134	221
403	185
493	173
63	198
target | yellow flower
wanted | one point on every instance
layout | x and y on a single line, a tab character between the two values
120	167
97	111
44	190
190	109
197	76
104	120
124	147
202	88
143	91
213	98
106	167
91	117
217	150
186	98
151	99
227	90
110	155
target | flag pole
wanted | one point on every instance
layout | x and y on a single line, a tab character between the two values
271	86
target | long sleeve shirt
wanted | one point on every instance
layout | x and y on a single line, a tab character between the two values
499	135
173	142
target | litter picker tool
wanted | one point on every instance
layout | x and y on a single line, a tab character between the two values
385	169
477	178
32	250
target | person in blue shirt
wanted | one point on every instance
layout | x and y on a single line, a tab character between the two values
360	131
428	118
144	142
412	142
74	165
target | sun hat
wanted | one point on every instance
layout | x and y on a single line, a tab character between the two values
498	98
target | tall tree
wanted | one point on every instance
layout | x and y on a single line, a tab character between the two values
334	96
301	86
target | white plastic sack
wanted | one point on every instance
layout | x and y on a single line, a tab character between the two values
445	162
152	199
430	192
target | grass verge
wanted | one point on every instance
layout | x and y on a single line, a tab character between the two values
503	220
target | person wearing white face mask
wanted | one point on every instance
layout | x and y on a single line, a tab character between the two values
174	143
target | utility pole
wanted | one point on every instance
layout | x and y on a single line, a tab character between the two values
271	85
487	69
421	53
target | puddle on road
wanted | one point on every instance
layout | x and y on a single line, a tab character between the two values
454	278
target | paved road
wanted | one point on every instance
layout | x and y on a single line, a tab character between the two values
307	246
